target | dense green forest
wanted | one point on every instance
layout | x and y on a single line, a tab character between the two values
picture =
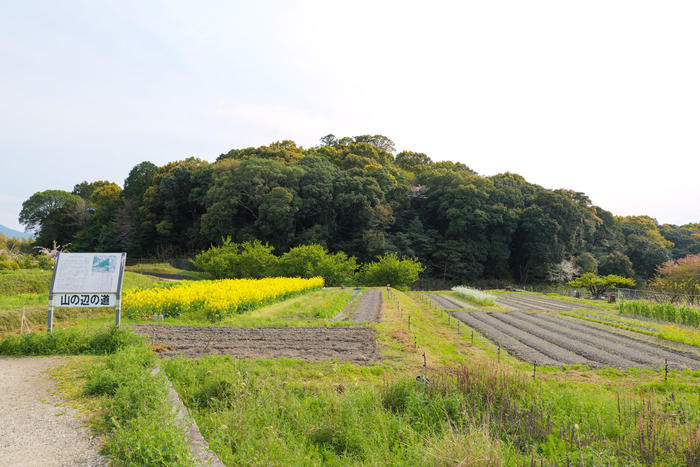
358	196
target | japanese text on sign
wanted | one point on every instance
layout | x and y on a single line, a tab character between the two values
84	300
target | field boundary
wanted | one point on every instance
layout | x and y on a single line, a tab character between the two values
198	446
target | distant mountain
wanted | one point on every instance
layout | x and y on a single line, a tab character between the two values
13	233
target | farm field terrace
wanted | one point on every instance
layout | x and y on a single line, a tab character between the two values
436	394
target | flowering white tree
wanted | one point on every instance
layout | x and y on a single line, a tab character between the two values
562	272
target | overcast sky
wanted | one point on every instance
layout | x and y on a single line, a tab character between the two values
600	97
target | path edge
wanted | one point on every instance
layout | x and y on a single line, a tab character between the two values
200	448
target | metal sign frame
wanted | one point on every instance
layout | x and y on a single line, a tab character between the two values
118	298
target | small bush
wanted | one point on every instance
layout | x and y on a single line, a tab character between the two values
68	342
390	269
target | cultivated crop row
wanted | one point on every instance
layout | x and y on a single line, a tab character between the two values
662	311
552	340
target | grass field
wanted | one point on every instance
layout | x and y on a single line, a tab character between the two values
167	269
471	404
28	290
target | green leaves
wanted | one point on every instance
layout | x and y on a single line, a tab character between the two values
597	285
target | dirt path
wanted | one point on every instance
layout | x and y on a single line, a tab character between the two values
369	307
354	344
450	303
35	427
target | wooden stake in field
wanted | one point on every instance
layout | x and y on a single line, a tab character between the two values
24	324
534	369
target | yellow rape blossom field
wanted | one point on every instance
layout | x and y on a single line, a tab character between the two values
213	299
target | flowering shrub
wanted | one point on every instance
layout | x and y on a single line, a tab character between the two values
474	295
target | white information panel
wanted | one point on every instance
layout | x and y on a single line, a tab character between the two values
87	273
87	280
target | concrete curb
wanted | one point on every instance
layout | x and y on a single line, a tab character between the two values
200	448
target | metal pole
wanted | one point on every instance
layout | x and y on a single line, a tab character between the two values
53	279
118	311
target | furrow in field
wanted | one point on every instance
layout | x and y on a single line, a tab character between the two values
552	350
519	304
575	343
512	345
450	303
527	303
544	302
676	358
607	345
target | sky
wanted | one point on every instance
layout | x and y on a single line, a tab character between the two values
601	97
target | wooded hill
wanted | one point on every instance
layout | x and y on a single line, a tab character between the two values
359	196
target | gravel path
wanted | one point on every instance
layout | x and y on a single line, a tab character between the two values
450	303
369	307
36	429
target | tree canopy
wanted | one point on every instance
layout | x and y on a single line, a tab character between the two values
360	196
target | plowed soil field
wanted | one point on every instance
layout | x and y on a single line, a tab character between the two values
524	302
449	303
556	341
353	344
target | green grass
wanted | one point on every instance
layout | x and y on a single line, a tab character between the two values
24	281
68	342
126	406
166	268
35	305
476	410
38	281
291	413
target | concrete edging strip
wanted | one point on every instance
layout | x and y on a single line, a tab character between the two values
200	448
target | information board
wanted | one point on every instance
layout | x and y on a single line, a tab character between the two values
87	273
87	280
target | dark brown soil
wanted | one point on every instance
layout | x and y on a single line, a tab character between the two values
353	344
369	308
532	336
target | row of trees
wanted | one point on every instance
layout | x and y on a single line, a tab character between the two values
357	196
255	260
